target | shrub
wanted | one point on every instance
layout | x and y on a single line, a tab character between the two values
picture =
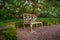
50	21
19	23
10	33
2	24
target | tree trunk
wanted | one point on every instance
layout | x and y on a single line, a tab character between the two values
34	6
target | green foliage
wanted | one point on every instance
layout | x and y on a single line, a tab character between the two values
10	33
2	24
50	21
46	21
19	23
51	12
14	8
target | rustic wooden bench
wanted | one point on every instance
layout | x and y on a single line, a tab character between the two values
30	19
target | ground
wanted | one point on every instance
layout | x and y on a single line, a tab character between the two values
40	33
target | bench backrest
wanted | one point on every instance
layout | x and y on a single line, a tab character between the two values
27	18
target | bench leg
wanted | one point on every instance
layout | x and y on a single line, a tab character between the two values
42	24
31	26
24	26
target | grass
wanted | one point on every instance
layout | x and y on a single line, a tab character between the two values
46	21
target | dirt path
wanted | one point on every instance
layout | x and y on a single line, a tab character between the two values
40	33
